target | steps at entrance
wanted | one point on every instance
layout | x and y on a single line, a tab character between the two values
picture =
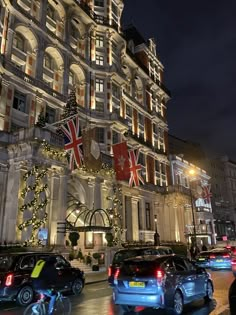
78	264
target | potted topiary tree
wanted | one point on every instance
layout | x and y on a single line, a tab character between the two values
109	237
96	256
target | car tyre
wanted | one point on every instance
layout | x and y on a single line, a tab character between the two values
178	303
127	308
25	296
77	286
209	292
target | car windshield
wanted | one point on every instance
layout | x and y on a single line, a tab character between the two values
121	256
5	262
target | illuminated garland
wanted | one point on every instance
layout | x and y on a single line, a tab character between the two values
34	205
61	155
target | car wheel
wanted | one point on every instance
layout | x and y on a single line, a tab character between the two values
178	303
77	286
209	292
25	296
127	308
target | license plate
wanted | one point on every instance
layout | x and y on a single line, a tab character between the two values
201	259
219	260
137	284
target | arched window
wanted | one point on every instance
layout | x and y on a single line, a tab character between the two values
19	42
48	61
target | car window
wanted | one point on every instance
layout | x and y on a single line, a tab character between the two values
179	264
121	256
5	262
27	262
168	265
61	262
189	265
138	268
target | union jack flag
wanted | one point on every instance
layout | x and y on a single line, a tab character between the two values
206	193
73	142
135	177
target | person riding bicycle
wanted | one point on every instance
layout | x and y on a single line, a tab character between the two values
44	276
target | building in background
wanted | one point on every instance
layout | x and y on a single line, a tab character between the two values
190	185
48	50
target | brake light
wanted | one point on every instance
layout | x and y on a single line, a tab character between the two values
9	280
226	256
233	262
160	275
109	271
116	273
212	256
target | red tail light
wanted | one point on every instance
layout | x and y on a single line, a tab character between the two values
117	273
234	252
9	280
226	256
109	271
160	275
212	256
233	262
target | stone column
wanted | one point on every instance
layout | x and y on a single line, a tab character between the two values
10	233
43	14
134	216
3	196
39	60
9	43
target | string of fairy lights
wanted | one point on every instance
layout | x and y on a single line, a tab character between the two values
39	201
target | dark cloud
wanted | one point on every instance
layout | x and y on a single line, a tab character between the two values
196	42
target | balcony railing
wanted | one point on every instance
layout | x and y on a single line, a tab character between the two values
29	134
10	66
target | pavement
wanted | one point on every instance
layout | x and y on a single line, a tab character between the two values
96	276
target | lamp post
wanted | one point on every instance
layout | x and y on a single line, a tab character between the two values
156	234
191	173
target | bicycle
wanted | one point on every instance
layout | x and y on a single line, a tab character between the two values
62	306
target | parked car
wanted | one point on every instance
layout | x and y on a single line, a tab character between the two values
232	298
220	259
164	282
233	266
15	271
203	259
123	254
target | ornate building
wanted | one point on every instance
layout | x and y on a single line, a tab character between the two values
47	49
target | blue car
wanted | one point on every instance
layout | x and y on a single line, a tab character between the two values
203	259
220	259
164	282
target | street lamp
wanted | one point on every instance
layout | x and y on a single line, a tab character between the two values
192	173
156	234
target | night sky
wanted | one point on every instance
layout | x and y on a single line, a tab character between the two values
196	42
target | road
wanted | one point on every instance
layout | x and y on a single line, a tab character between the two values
96	300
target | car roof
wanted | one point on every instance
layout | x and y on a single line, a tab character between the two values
25	253
150	258
142	248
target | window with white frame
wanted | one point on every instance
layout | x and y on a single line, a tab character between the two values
74	31
48	61
115	90
128	111
101	135
115	137
142	161
19	101
50	115
115	12
99	106
51	12
99	41
99	3
19	42
148	215
99	60
99	85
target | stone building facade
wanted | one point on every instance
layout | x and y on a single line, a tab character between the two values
47	49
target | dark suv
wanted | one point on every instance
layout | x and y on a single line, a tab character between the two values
15	271
125	253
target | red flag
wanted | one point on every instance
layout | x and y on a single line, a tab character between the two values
135	177
206	193
121	161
